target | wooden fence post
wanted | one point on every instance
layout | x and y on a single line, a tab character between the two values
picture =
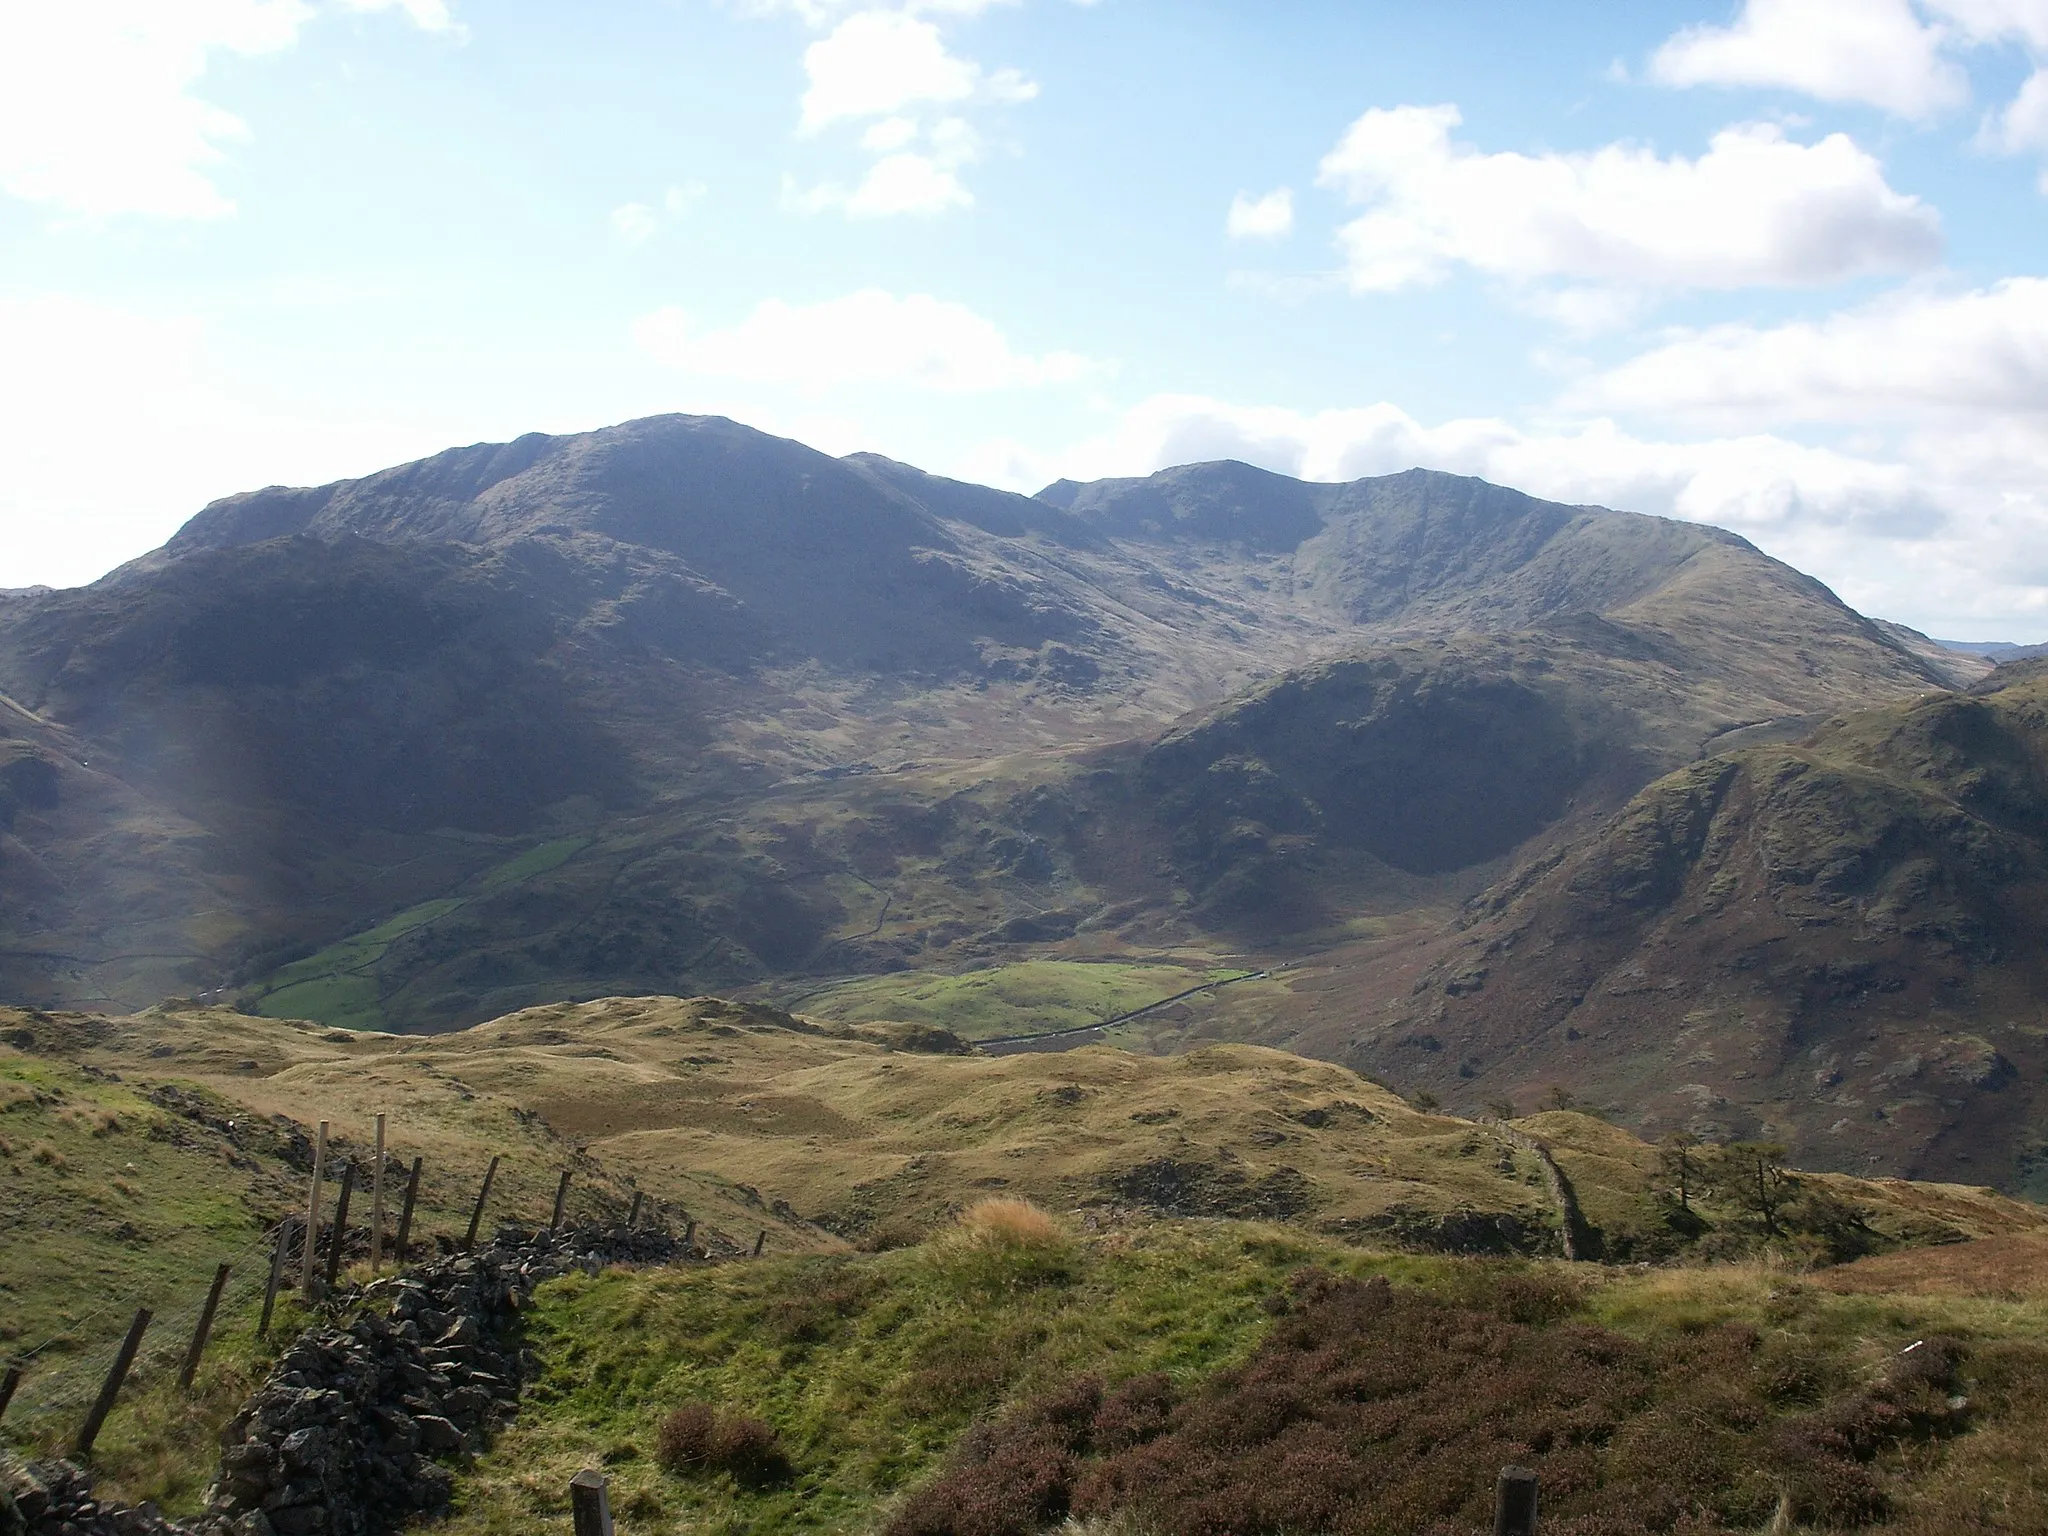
7	1385
633	1216
220	1282
591	1504
104	1404
412	1190
1514	1502
760	1242
340	1233
377	1205
308	1277
284	1241
561	1194
477	1215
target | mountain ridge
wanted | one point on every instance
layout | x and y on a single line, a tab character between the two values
677	706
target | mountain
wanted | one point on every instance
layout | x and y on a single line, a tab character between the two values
1836	943
677	705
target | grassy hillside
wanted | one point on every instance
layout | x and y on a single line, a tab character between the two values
989	1385
1835	943
140	1151
143	1150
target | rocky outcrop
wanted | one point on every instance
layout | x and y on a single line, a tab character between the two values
349	1434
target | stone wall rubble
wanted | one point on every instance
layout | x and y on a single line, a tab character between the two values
349	1434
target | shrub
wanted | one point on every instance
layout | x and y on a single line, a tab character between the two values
697	1438
682	1441
750	1450
1372	1410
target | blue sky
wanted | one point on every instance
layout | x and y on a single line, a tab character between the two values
1780	265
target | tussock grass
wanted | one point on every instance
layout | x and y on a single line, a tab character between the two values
1134	1394
1008	1223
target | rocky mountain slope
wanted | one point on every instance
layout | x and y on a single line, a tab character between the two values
1835	942
315	709
677	706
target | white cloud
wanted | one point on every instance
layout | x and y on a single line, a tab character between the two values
867	337
1991	21
893	67
1756	209
2023	125
878	63
820	13
1917	359
894	184
634	223
1873	51
427	15
1261	218
99	114
889	135
637	223
1890	54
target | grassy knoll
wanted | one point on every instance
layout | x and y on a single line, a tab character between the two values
1717	1390
1029	997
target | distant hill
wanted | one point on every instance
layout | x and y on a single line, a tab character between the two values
678	705
1836	942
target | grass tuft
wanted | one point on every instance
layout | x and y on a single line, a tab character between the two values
1009	1223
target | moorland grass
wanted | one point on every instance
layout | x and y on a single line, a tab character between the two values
1242	1379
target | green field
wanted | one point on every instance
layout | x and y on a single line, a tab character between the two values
331	987
1031	997
335	986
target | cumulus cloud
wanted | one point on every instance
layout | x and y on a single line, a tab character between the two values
2023	124
637	223
1917	358
1874	51
1890	54
99	111
634	223
1757	208
878	63
867	337
1261	218
893	70
899	183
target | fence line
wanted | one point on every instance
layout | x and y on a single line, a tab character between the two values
58	1377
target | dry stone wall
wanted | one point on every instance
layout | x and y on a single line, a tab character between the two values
349	1434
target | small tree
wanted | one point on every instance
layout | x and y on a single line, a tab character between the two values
1757	1179
1679	1165
1560	1097
1501	1109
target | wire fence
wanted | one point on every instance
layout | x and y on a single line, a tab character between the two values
61	1378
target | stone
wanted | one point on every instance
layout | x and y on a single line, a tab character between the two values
437	1434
